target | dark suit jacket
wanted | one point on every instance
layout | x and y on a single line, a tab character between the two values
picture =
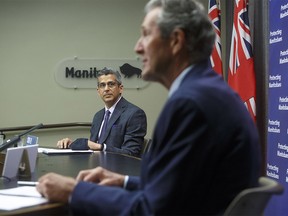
125	131
205	150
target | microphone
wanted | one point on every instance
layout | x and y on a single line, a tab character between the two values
17	138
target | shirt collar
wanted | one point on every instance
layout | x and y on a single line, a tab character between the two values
176	83
111	109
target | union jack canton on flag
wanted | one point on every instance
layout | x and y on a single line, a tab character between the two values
214	13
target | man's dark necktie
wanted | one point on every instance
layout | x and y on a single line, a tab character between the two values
104	127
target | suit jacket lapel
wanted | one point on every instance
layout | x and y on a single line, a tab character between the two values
98	121
120	107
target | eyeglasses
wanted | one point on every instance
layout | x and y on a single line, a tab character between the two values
109	84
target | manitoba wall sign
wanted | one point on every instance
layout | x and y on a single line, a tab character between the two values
81	73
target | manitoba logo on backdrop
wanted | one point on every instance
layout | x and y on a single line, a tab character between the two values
81	73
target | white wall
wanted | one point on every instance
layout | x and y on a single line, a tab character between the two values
35	35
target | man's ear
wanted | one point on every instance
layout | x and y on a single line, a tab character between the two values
177	40
98	91
121	89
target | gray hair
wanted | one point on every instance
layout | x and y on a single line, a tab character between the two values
107	71
191	17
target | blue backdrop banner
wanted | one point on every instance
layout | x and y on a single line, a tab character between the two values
277	140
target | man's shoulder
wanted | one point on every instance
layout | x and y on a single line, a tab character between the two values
100	112
128	105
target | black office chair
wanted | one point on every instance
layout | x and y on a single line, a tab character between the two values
146	146
253	201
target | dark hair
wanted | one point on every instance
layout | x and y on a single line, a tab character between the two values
190	16
107	71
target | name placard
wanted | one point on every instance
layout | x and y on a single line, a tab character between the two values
81	73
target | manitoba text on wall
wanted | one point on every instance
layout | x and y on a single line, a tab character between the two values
81	73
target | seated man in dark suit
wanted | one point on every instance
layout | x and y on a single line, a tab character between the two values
205	146
126	124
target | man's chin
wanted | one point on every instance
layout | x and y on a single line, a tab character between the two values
145	75
109	99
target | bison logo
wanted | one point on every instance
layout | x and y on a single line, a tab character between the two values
129	71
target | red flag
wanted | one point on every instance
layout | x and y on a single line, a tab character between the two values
214	13
241	75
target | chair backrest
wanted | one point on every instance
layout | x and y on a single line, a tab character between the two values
146	146
253	201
